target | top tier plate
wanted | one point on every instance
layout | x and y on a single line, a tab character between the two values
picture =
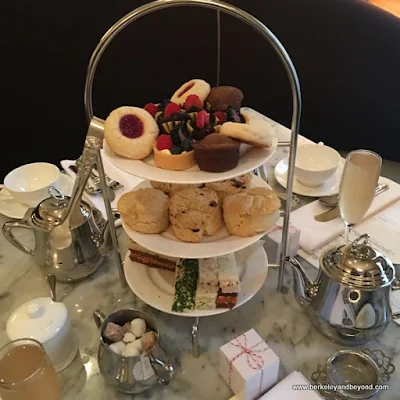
146	169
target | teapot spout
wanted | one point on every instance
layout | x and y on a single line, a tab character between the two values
304	289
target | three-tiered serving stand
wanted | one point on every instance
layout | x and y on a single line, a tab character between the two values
96	125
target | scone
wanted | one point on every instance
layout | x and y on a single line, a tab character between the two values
131	132
255	131
230	186
170	188
194	213
145	210
251	212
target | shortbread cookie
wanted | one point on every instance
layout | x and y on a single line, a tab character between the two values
230	186
195	86
194	213
251	212
130	132
145	210
255	131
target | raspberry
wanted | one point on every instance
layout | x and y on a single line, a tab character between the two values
193	101
151	109
164	142
221	116
203	118
171	109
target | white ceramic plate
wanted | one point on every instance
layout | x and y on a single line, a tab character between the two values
330	187
13	209
210	246
156	287
146	169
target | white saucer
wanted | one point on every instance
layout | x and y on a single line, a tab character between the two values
330	187
156	287
210	246
13	209
146	169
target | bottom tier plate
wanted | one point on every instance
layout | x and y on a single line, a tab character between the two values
156	287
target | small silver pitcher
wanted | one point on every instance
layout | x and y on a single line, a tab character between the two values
134	374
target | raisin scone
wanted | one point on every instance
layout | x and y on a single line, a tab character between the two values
170	188
195	213
145	210
230	186
251	212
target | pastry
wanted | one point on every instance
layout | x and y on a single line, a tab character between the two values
251	212
130	132
194	213
255	131
145	210
223	96
230	186
149	258
171	116
174	162
195	86
216	154
170	188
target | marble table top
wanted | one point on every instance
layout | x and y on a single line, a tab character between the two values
276	316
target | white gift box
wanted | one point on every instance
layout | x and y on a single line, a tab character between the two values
285	389
248	365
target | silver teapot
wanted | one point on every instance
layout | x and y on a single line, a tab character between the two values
349	301
91	243
133	374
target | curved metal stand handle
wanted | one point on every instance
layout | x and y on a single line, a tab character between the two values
259	27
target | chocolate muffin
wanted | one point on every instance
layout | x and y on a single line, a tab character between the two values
216	154
221	97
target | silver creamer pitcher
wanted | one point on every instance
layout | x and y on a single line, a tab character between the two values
133	374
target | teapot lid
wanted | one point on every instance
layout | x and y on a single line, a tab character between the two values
40	319
51	211
358	265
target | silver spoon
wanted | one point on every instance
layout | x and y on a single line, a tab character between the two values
51	280
330	201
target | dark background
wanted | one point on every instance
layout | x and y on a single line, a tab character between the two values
346	53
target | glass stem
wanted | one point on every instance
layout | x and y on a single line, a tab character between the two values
346	232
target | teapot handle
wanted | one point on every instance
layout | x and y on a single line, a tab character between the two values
168	369
7	231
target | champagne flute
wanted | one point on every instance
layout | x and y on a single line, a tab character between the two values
357	186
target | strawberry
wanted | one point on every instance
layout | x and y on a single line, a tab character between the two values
221	116
171	109
203	118
151	108
164	142
193	101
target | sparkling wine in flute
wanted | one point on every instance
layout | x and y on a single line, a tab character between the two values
26	372
358	185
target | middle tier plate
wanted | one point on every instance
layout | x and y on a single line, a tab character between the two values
253	158
210	246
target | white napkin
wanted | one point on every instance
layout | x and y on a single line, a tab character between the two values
96	200
314	234
284	389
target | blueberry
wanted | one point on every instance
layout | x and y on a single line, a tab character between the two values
186	145
176	150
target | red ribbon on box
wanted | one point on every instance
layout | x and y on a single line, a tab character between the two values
254	360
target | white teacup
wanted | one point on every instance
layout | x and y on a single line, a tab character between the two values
29	184
315	163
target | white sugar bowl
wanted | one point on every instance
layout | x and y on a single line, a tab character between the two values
46	321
